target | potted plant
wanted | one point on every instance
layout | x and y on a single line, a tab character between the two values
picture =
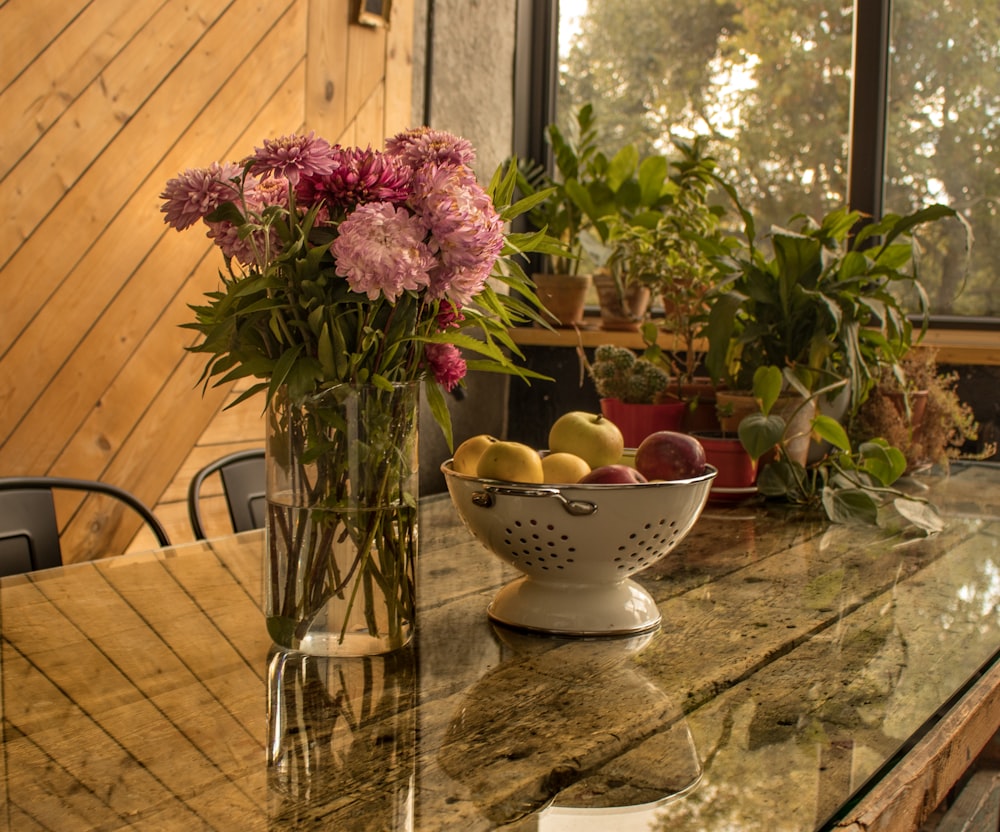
918	410
822	306
561	286
634	393
853	484
669	247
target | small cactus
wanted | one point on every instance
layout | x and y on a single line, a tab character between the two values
619	374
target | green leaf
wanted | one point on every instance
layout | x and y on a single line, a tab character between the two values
920	514
326	354
439	410
829	429
882	461
759	433
851	506
767	383
283	366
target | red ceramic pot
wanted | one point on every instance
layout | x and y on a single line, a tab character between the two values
737	477
637	421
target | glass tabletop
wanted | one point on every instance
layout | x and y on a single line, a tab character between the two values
794	663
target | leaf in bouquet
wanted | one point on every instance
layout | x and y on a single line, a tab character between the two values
325	352
439	410
282	368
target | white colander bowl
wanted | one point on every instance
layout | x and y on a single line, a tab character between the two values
577	547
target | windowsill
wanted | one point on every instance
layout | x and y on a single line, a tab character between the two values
954	346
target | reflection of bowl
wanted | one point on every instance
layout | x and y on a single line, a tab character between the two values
577	547
576	729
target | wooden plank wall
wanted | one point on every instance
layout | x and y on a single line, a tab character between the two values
103	102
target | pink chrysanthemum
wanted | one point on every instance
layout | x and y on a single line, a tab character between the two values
227	237
381	251
446	363
293	157
197	192
449	316
358	176
466	230
424	146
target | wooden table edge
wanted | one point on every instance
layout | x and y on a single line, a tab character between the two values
906	797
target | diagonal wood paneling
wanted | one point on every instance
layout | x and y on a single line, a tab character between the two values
106	102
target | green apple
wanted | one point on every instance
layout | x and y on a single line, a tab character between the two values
466	458
511	461
564	468
590	436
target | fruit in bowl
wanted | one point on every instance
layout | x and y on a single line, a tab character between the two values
616	474
578	546
668	455
511	461
590	436
564	468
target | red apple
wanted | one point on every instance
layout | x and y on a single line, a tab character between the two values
668	455
615	474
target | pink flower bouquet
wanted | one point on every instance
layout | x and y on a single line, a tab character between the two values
359	265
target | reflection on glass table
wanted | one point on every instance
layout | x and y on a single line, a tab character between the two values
803	676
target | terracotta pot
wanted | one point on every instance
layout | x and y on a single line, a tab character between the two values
737	475
637	421
733	406
564	296
701	414
622	308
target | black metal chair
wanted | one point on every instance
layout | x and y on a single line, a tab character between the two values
243	484
29	532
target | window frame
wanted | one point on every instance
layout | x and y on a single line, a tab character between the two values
536	79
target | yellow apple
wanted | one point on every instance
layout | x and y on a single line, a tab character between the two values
466	458
562	467
590	436
510	461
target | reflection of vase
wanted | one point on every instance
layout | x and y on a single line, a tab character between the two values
336	727
342	520
564	296
623	308
637	421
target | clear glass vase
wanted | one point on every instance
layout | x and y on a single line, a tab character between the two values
341	529
341	727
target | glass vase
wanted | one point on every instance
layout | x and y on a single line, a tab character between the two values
341	528
341	727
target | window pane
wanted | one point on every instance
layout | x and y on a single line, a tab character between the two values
770	81
942	137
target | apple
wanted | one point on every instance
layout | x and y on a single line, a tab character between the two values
590	436
511	461
668	455
615	474
467	455
562	467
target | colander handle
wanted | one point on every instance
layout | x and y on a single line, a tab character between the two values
578	508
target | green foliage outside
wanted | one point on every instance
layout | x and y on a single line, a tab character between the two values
768	81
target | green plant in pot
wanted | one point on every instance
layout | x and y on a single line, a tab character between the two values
917	408
823	303
669	248
850	484
634	393
561	284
